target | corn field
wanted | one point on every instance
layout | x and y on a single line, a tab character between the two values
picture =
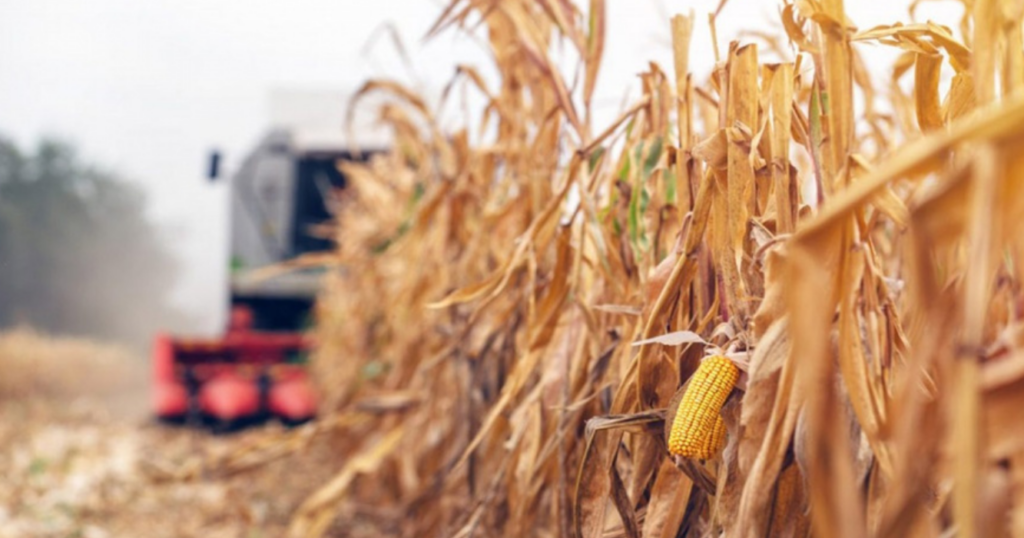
515	308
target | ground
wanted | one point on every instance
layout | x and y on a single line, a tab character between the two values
80	457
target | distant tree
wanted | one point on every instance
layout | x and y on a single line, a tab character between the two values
77	252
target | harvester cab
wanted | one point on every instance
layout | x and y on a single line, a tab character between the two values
280	199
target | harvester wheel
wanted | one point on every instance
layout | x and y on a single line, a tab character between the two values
228	400
292	399
169	397
170	400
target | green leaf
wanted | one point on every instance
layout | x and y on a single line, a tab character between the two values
653	156
815	120
624	170
37	467
417	194
595	157
670	186
634	220
373	370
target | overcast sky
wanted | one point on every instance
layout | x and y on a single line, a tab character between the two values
147	87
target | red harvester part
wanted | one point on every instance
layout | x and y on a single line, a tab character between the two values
292	397
240	376
163	358
170	398
229	397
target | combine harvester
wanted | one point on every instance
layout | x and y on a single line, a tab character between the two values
280	196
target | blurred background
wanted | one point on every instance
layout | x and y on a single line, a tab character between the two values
140	93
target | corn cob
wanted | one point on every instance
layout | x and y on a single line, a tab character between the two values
714	443
698	430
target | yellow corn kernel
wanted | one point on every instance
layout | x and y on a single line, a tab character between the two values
698	430
714	443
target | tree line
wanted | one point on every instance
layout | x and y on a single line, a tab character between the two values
78	254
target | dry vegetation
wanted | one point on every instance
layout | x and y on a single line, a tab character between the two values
518	306
38	366
856	249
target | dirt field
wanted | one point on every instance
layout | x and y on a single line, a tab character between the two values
79	456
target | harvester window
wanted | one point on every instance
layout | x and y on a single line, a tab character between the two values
315	175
